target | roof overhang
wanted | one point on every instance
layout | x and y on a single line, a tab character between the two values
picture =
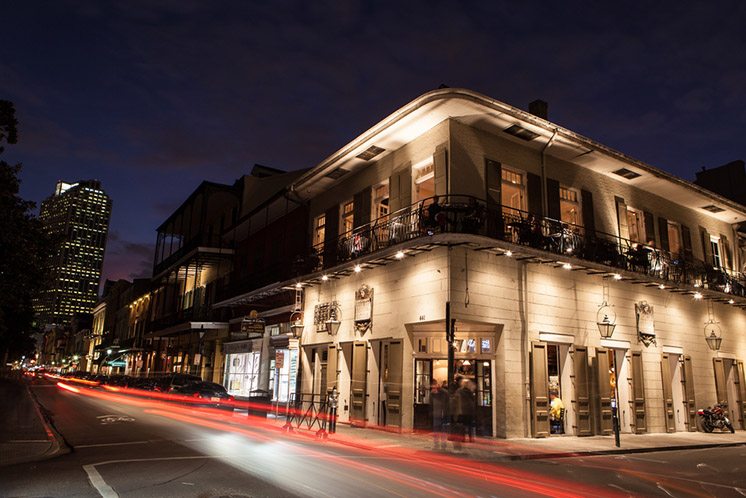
474	109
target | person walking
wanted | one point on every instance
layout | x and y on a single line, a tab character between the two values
439	405
468	407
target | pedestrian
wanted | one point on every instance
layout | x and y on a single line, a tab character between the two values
439	404
468	407
556	414
456	428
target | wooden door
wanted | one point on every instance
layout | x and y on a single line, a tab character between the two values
332	369
638	393
539	390
582	391
691	405
742	393
669	416
358	382
721	388
604	391
393	382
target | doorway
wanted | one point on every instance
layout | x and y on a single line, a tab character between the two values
729	384
674	392
552	390
619	383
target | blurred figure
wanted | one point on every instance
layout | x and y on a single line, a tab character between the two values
439	402
556	414
468	406
456	429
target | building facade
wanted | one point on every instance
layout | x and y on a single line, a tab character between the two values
76	218
462	222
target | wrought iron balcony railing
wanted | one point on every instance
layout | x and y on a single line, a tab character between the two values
469	215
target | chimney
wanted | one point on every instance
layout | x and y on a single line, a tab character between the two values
539	108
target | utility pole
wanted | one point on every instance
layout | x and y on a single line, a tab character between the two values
450	337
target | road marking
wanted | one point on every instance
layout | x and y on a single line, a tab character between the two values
29	441
110	444
107	491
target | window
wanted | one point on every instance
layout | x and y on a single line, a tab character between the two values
570	206
319	230
513	193
717	262
381	202
635	225
347	217
423	175
674	238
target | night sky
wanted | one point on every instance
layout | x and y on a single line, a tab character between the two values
154	97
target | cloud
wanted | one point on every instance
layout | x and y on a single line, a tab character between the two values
127	259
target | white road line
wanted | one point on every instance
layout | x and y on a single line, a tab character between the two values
109	444
107	491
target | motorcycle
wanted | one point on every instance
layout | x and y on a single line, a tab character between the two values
715	418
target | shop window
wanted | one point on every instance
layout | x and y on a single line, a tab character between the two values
513	191
423	175
422	381
319	231
674	238
570	206
381	202
486	345
347	215
635	225
717	261
242	373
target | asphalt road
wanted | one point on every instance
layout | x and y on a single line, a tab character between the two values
128	447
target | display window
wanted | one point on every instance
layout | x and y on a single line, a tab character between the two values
242	373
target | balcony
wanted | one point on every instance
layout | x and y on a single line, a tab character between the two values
554	239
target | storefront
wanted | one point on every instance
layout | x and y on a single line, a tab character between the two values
246	367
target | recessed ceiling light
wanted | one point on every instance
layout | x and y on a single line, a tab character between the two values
697	295
661	286
617	276
567	266
298	285
731	301
358	269
324	277
399	254
508	253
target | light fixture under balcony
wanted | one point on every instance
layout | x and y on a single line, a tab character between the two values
358	269
399	254
713	332
697	295
567	266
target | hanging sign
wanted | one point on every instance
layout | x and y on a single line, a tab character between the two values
279	359
252	326
645	323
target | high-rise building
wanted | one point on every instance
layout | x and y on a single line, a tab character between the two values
76	217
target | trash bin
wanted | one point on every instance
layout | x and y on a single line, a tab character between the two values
260	403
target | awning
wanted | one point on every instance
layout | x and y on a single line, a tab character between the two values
187	326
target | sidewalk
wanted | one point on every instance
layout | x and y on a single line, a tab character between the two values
25	435
534	448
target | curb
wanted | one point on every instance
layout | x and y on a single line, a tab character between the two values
58	446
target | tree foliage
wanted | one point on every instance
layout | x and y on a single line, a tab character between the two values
22	251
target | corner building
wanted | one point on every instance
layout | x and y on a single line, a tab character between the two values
535	227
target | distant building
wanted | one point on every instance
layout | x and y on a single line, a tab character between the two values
728	180
76	217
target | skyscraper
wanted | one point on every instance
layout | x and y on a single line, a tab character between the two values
76	217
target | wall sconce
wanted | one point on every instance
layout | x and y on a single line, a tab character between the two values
606	316
332	323
713	332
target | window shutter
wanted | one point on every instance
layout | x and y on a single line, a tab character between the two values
331	368
721	389
534	194
726	255
649	227
668	408
440	170
331	233
621	216
553	199
582	391
638	393
686	240
589	218
663	233
539	390
691	404
494	177
604	391
361	212
706	247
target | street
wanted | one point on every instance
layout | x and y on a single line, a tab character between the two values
133	447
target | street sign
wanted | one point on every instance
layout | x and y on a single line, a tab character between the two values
118	363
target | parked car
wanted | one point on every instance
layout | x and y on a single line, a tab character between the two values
208	393
170	383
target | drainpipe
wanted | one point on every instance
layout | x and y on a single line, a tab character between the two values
544	199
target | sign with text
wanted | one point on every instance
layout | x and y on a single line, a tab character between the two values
363	308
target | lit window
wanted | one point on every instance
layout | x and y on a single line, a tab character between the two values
635	225
715	247
423	175
348	210
513	191
319	230
570	206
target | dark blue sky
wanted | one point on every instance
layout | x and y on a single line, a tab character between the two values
154	97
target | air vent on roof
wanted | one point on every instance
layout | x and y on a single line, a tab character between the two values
625	173
713	208
370	153
521	132
337	173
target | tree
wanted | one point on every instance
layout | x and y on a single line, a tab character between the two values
22	251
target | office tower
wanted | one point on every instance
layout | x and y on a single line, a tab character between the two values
76	218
